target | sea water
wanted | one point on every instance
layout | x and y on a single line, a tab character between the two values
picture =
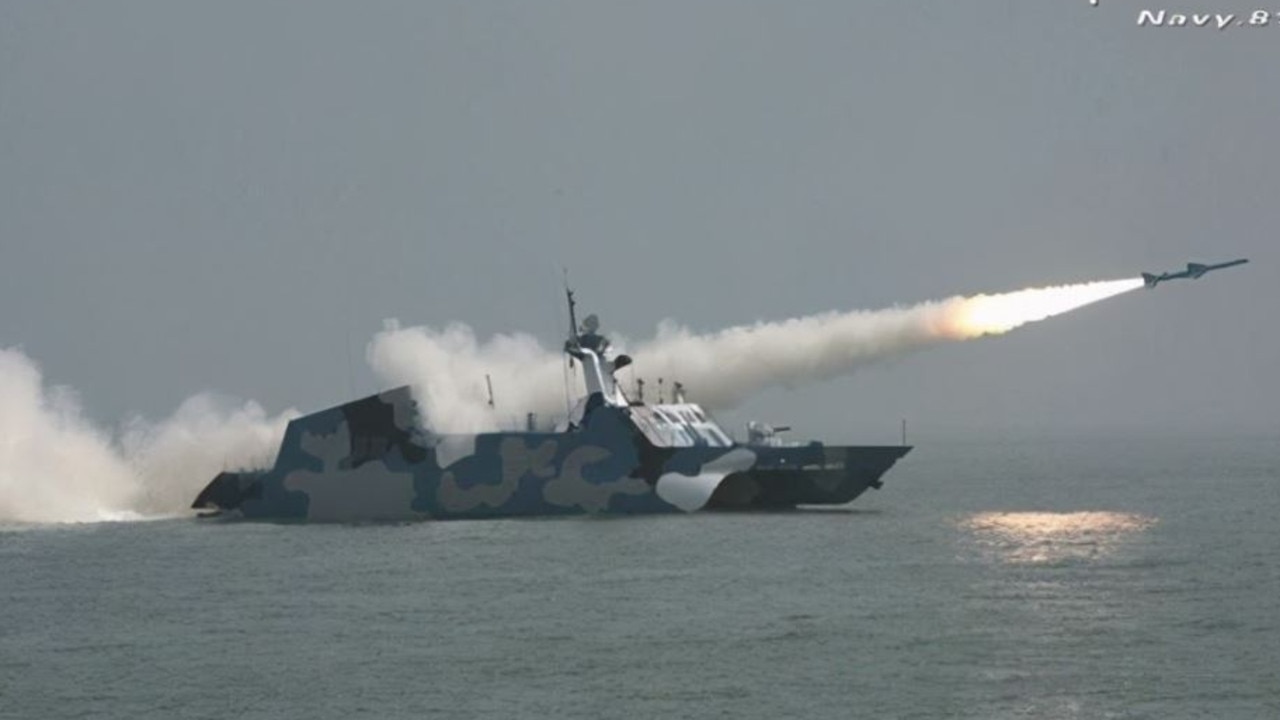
1101	578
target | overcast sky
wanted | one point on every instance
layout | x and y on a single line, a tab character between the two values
232	196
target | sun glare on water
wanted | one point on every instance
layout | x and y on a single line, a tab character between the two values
996	314
1039	537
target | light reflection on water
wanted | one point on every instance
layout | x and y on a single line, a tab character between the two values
1043	537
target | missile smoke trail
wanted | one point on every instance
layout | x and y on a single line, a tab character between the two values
721	369
729	366
56	466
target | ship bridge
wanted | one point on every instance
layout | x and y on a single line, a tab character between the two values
675	425
678	425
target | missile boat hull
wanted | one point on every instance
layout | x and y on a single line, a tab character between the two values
373	460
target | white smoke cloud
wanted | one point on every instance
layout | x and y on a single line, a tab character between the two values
205	435
56	466
725	368
447	368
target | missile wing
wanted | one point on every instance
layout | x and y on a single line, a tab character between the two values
1195	270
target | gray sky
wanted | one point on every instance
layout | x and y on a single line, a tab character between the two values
232	196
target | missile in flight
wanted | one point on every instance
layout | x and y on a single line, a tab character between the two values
1193	271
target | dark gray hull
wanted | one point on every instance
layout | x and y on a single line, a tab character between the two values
848	471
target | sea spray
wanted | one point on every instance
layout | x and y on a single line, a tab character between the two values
57	466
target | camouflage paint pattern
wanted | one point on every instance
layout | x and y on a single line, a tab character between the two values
370	460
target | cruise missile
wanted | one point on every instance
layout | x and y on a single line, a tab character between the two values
1194	270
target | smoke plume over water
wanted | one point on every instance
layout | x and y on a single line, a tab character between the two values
56	466
721	369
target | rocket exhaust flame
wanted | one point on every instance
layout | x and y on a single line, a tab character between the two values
722	368
997	314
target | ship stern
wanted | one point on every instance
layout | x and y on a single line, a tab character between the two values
825	475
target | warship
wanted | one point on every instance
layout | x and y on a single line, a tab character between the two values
375	459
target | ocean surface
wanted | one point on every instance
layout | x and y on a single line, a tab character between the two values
1030	579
